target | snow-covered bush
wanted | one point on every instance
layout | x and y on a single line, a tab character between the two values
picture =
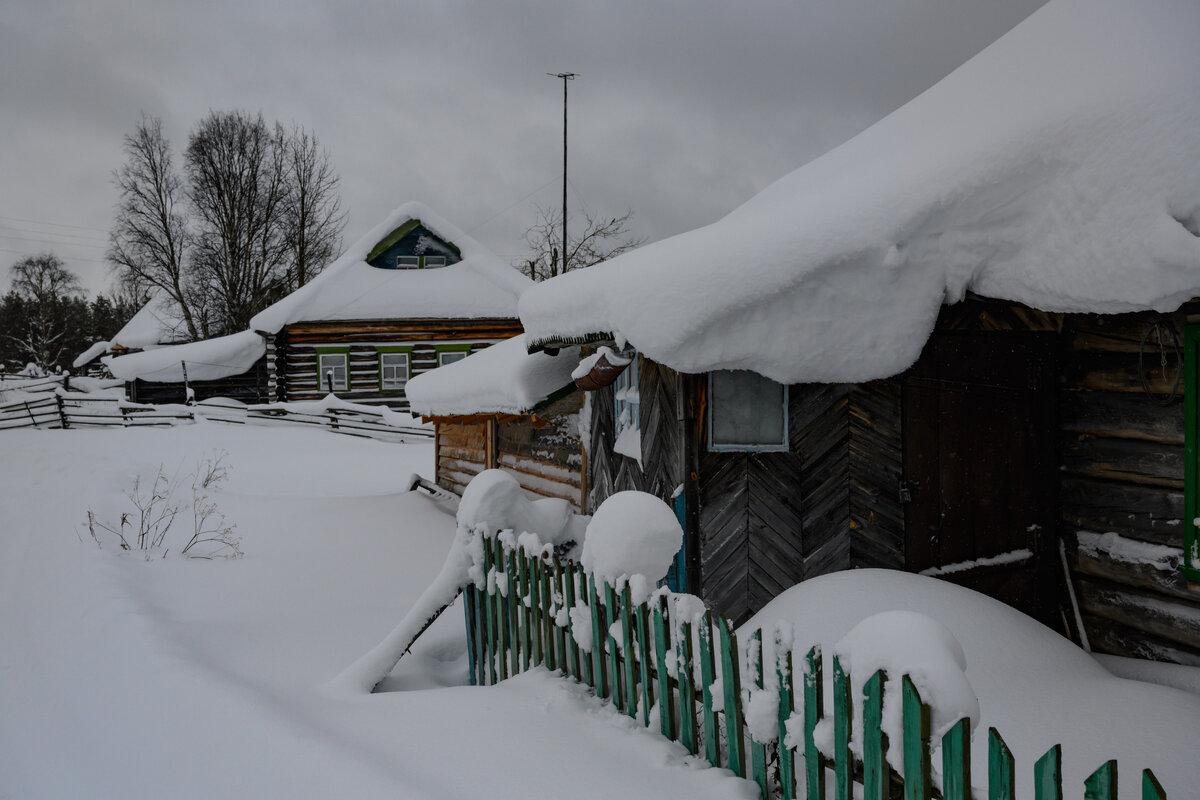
156	507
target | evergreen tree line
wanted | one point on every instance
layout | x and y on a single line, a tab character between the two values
46	320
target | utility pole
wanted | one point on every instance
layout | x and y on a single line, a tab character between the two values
566	76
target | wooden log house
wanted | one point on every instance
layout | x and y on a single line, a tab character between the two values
973	357
504	408
232	366
411	295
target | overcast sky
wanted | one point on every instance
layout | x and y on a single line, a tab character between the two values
681	111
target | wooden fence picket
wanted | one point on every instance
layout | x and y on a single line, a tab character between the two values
1101	784
875	744
687	688
1047	775
666	698
758	750
843	728
814	712
1002	784
956	762
712	745
787	706
516	621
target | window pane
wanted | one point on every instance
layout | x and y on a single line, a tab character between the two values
450	356
408	262
332	365
747	410
393	370
432	262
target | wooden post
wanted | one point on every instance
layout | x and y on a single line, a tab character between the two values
548	626
481	641
1002	783
566	580
758	750
524	610
1047	775
814	710
712	745
1151	788
497	564
915	714
513	604
535	607
956	762
62	413
843	728
666	698
32	419
876	775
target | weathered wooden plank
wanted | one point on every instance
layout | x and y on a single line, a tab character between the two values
1159	577
1150	513
843	730
687	688
1047	775
731	685
915	714
1118	372
1102	784
662	645
1002	784
956	761
876	776
814	712
712	749
1108	636
1121	415
758	750
1169	619
1129	460
787	706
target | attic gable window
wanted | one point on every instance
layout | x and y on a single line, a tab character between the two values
408	262
746	412
433	262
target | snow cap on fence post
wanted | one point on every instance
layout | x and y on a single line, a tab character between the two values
632	533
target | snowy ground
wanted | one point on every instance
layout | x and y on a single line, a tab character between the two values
122	677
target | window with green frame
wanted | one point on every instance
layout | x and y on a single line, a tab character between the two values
1191	469
395	367
449	353
333	369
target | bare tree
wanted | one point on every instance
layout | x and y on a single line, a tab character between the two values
47	285
602	238
312	214
234	164
150	240
254	214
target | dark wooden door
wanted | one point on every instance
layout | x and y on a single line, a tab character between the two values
980	465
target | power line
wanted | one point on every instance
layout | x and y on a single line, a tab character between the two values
511	205
69	258
55	224
79	236
58	242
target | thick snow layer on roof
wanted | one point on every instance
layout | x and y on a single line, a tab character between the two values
503	379
1060	167
207	360
479	286
156	323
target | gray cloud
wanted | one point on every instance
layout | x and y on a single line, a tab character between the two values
682	109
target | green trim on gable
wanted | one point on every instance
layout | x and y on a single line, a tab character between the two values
392	238
398	234
1191	469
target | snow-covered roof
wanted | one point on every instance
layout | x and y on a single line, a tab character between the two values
156	323
503	379
207	360
1060	167
480	285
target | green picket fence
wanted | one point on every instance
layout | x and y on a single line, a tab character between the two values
647	670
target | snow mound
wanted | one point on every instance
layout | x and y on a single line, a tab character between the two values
495	500
631	533
912	644
1060	168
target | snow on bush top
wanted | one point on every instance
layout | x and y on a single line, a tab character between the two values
481	285
503	379
913	644
207	359
495	500
631	533
1060	167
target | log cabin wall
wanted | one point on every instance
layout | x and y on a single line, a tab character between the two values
1123	475
294	355
461	453
543	450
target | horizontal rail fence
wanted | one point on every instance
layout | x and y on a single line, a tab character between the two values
683	674
65	410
